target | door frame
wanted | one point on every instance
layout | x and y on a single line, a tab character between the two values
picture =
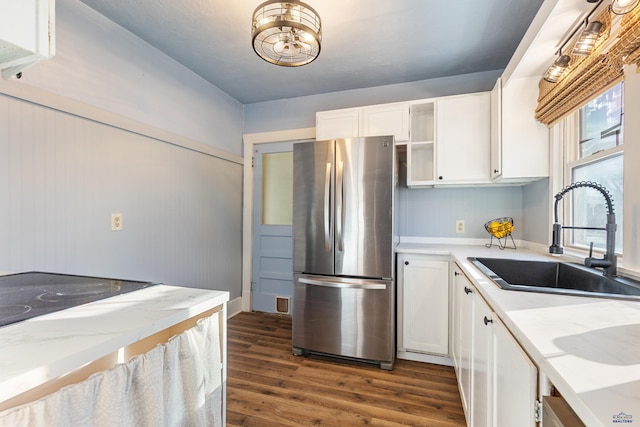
250	140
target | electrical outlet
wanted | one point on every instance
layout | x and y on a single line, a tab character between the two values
116	222
459	225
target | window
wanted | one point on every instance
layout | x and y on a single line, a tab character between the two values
597	157
277	188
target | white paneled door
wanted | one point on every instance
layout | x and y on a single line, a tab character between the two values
272	269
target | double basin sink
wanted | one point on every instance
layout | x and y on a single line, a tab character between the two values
556	278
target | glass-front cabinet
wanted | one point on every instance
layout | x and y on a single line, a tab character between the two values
421	145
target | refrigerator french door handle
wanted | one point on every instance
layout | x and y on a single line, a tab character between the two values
343	285
327	209
340	206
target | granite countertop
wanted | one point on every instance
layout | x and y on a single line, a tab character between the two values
46	347
589	348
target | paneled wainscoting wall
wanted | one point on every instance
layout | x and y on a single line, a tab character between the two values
62	176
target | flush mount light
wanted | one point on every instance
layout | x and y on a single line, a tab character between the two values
558	69
286	33
588	38
620	7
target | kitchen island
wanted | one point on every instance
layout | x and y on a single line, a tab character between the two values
44	353
588	348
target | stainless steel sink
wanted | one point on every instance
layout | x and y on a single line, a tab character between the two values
556	278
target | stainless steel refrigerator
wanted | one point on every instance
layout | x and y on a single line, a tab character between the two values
344	292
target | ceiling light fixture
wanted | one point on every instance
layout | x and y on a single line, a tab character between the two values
588	38
286	33
558	69
620	7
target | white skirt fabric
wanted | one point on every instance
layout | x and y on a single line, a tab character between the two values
178	383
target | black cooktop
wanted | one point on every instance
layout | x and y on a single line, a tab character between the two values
27	295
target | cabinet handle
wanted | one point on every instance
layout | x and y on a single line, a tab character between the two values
487	320
496	171
440	177
406	263
467	290
455	273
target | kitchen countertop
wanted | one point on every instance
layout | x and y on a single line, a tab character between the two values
43	348
589	348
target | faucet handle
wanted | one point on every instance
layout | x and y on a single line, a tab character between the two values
592	262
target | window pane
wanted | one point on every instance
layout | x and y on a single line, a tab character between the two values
589	207
277	188
601	122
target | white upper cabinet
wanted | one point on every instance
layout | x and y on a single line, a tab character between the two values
462	139
496	130
519	143
386	119
27	34
374	120
333	124
447	138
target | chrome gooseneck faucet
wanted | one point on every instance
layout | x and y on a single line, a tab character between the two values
609	262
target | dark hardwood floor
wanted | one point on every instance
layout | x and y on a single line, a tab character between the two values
268	386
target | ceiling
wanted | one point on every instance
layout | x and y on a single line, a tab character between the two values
365	43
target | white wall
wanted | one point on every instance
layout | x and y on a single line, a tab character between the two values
62	176
432	212
294	113
100	64
631	175
112	125
536	201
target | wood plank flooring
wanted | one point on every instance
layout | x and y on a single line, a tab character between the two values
268	386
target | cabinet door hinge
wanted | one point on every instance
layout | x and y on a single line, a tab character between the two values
253	161
538	411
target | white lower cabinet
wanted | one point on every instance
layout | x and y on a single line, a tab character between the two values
423	304
461	334
481	362
497	380
514	381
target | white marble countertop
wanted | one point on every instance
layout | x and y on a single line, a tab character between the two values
37	350
589	348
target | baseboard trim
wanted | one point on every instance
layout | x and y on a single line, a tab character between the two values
425	358
234	307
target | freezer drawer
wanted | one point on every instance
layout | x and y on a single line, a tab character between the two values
344	317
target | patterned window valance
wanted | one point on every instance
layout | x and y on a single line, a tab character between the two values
589	75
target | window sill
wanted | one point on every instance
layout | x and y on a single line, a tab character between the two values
578	255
